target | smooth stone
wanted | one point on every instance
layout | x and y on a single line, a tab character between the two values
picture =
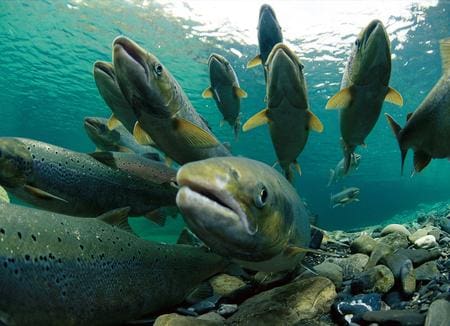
359	304
364	244
445	224
395	240
205	305
426	242
212	316
395	317
379	252
227	309
419	256
224	284
421	233
179	320
427	271
377	279
297	303
331	271
395	300
403	270
391	228
351	265
438	313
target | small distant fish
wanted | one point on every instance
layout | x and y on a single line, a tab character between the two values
106	81
72	183
364	88
337	173
64	270
225	90
165	114
245	210
288	113
345	197
427	130
116	140
269	34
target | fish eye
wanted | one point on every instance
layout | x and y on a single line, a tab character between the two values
261	197
158	69
357	42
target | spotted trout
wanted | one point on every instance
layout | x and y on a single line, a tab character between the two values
364	88
245	210
427	130
165	114
63	270
225	90
288	113
72	183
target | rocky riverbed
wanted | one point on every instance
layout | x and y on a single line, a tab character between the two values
395	274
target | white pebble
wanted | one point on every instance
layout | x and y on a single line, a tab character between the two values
426	242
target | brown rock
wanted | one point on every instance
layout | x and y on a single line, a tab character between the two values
224	284
179	320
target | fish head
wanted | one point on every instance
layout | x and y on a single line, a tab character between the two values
353	192
145	82
98	131
235	206
356	159
371	57
219	66
285	78
269	30
104	75
16	162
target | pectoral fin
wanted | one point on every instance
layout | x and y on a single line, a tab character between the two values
113	122
314	122
141	136
257	120
207	93
445	54
254	62
106	158
340	100
193	134
240	92
157	217
117	217
421	160
394	97
39	193
396	129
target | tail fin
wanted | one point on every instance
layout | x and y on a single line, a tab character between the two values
330	180
396	129
289	173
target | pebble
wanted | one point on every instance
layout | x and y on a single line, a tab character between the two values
438	313
331	271
178	320
391	228
364	244
377	279
351	265
426	242
224	284
227	309
419	256
395	240
395	317
427	271
357	305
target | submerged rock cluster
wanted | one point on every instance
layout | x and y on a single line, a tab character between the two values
398	274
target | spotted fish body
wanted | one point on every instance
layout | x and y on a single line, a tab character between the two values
61	270
73	183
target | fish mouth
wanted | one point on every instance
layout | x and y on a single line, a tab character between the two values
374	30
217	200
215	58
266	10
130	51
104	68
92	124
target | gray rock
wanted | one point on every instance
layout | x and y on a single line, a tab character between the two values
395	240
423	232
364	244
391	228
419	256
227	309
427	271
331	271
379	252
211	316
438	313
353	264
178	320
403	271
395	317
377	279
298	303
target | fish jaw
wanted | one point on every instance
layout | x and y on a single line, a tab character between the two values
269	31
99	133
219	69
104	72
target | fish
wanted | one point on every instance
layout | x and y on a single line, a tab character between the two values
337	173
72	183
346	196
244	210
115	140
269	34
63	270
288	112
165	114
427	129
106	81
225	90
364	88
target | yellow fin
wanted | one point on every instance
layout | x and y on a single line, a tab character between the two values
168	161
4	195
445	54
314	122
141	135
293	251
193	134
207	93
394	97
298	168
113	122
256	120
42	193
340	100
240	92
254	62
